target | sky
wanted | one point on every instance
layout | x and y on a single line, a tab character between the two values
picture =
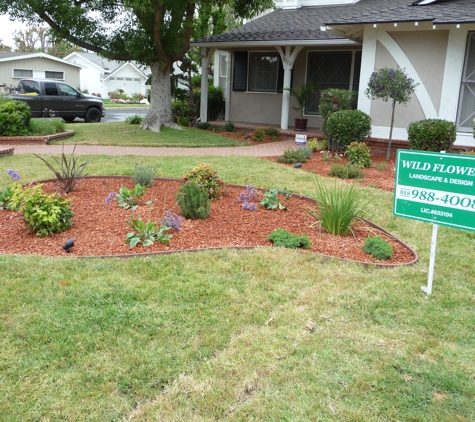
6	29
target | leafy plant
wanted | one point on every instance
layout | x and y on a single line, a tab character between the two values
381	166
144	175
332	100
14	118
43	213
204	175
194	201
136	119
378	248
128	198
347	126
41	127
338	208
346	171
314	144
359	154
69	173
272	132
282	237
299	155
271	199
171	220
205	126
431	135
259	135
230	127
302	94
145	233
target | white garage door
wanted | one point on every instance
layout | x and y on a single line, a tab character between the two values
129	85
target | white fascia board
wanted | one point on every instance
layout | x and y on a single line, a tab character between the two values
36	56
221	45
125	65
85	59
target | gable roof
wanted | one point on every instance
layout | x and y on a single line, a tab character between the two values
304	24
10	56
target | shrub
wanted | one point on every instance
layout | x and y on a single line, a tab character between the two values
43	214
193	201
381	166
216	101
14	118
204	175
338	208
346	171
281	237
145	233
144	175
272	132
332	100
378	248
431	135
128	198
205	126
348	126
68	173
259	135
41	127
306	152
314	144
359	154
292	156
136	119
183	121
182	109
230	127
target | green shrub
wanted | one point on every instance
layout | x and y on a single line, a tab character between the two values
306	152
183	121
281	237
431	135
216	101
145	233
136	119
205	126
359	154
44	214
292	156
193	201
315	145
182	109
272	132
338	208
259	135
381	166
378	248
332	100
230	127
346	171
42	127
348	126
271	199
204	175
14	118
144	175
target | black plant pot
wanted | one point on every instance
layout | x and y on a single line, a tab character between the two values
301	124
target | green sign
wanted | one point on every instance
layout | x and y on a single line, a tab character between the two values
435	187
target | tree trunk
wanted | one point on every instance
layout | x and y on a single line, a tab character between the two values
160	112
391	131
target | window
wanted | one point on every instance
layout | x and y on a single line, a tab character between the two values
466	110
31	86
22	73
51	88
67	90
54	75
263	72
332	70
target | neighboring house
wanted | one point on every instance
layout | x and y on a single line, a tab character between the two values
102	76
339	43
16	66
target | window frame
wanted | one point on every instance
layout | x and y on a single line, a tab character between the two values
258	89
54	78
464	80
22	76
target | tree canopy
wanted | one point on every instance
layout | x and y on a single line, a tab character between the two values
155	33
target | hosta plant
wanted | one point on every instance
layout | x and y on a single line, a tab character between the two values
145	233
128	198
272	199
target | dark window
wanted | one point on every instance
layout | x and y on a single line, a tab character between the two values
51	88
240	71
30	86
54	75
22	73
263	72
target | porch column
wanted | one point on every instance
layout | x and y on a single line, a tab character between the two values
288	60
205	54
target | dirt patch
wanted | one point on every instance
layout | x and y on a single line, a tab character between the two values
100	229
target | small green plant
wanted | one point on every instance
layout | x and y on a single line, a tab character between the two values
282	237
144	175
378	248
41	127
272	132
272	199
14	118
205	126
183	121
338	208
303	94
314	144
204	175
346	171
194	201
326	156
259	135
230	127
128	198
431	135
68	172
470	152
381	166
359	154
7	196
347	126
145	233
136	119
292	156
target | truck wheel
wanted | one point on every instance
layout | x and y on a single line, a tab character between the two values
68	119
93	115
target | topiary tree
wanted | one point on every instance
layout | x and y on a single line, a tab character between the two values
431	135
332	100
347	126
391	84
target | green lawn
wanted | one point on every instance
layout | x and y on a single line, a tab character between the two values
123	134
261	335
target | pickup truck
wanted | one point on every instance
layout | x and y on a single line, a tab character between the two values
48	98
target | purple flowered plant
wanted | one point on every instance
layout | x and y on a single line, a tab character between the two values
249	206
171	220
14	175
110	197
247	197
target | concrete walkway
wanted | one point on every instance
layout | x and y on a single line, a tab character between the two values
272	149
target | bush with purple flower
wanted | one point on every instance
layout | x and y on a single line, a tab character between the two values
247	197
14	175
171	220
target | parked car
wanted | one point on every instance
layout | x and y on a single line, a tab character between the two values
47	98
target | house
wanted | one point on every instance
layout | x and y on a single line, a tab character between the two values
16	66
102	76
339	43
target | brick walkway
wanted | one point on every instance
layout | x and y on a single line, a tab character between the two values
265	150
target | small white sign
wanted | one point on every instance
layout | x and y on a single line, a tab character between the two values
301	140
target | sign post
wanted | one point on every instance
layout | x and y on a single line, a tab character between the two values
437	188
